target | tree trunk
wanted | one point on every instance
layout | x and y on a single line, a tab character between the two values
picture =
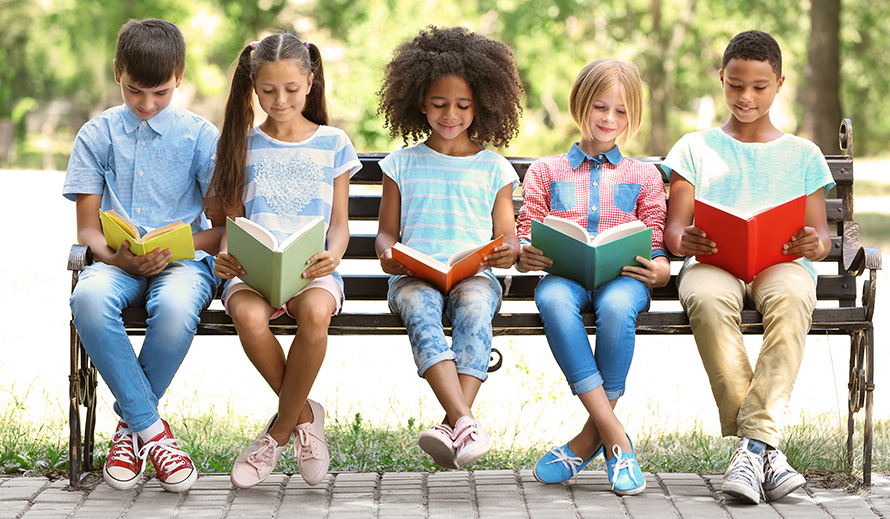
821	93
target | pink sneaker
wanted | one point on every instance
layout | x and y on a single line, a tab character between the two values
123	466
310	447
175	469
438	442
470	441
258	460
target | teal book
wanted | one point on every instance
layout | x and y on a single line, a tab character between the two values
274	269
590	261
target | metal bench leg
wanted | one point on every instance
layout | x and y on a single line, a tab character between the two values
869	401
82	383
861	389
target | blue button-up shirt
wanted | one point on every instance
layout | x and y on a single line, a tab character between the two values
153	172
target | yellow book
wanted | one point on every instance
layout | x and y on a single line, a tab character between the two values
175	236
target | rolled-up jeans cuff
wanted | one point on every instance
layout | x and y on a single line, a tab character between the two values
430	362
481	375
586	384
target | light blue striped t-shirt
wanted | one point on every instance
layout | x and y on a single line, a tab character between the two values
750	175
289	183
447	201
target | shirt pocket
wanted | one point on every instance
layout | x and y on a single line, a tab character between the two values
624	196
562	196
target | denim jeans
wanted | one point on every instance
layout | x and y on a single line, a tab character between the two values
560	302
469	306
173	299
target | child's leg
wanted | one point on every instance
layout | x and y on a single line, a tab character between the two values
713	300
101	293
786	295
312	310
250	313
174	301
420	305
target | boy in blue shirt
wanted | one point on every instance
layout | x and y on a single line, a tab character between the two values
150	162
749	164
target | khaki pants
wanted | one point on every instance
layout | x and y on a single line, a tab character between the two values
751	403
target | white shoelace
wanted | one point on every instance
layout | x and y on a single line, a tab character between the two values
124	446
776	464
570	462
167	460
622	463
756	469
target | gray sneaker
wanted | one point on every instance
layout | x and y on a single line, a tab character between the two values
745	472
779	479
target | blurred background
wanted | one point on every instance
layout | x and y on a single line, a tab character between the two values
56	58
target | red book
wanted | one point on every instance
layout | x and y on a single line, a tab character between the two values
461	265
749	243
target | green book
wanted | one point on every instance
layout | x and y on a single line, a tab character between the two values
590	261
274	269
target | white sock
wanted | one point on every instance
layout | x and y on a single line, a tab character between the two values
153	430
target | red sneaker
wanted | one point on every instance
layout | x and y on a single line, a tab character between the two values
123	466
175	469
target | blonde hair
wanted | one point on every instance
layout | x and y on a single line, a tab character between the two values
600	77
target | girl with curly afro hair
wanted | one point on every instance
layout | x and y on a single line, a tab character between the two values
457	90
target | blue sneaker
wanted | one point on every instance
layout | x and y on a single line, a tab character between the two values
744	476
779	479
561	464
624	472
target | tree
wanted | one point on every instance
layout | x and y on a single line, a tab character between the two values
821	98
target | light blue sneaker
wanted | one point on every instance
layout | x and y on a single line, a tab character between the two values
561	464
779	479
624	472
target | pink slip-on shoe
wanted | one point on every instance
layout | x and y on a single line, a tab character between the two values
123	465
175	469
310	447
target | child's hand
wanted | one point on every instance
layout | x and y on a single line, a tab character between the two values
323	264
695	242
151	264
653	273
531	258
502	257
805	242
227	266
391	266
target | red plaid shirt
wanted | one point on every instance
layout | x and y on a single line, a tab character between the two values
599	193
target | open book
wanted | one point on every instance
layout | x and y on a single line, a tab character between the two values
749	243
590	261
274	269
175	236
460	266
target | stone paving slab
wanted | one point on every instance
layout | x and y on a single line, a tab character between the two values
496	494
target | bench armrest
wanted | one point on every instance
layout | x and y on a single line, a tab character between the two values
867	258
79	257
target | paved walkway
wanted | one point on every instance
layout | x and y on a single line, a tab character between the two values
457	494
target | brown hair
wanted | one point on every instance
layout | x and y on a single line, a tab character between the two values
151	51
227	186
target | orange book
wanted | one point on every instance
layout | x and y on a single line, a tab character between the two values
460	266
749	243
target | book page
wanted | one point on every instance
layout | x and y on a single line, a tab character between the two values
257	231
161	230
126	225
298	233
567	227
619	231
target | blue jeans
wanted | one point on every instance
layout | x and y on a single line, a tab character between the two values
469	306
617	303
173	299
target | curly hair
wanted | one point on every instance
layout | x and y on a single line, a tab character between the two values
757	46
486	65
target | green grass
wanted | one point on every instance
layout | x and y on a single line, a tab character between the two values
874	229
814	445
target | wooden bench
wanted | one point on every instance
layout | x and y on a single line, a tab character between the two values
844	309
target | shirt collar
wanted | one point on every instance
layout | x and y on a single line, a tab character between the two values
159	123
576	156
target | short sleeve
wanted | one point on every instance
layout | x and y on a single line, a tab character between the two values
680	160
345	158
91	157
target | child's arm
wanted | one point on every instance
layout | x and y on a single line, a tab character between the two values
654	273
89	232
389	227
503	223
812	241
209	240
325	262
226	266
680	236
535	206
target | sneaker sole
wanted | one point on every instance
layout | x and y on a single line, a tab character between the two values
181	486
472	457
119	484
441	454
788	486
741	491
631	492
